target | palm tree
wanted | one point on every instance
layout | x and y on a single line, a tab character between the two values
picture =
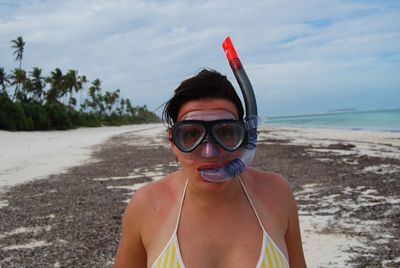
18	45
4	81
101	105
129	108
83	81
115	97
56	90
95	95
108	101
122	106
72	83
18	79
72	102
37	83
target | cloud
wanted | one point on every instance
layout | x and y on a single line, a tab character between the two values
145	48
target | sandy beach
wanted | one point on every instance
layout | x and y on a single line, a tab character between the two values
62	194
33	155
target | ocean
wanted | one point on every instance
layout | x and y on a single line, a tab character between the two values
382	120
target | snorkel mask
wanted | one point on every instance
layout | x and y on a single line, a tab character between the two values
209	134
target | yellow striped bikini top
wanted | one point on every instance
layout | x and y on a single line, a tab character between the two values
271	256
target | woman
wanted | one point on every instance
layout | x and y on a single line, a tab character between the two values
196	218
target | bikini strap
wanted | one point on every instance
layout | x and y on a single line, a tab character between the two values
251	204
180	206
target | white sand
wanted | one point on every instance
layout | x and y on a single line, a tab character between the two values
324	250
318	135
26	156
329	250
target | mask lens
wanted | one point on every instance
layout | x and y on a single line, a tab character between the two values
228	134
188	135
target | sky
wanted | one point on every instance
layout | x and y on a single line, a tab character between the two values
302	57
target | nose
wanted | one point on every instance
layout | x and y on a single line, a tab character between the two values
208	149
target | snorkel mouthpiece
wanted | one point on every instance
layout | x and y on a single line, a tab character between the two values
238	165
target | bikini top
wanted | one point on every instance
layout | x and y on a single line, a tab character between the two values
270	256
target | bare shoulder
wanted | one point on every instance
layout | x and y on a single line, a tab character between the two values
264	182
140	215
148	199
273	192
151	204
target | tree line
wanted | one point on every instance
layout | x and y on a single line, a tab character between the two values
60	100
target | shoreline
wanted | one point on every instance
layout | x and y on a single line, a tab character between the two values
347	209
385	120
334	128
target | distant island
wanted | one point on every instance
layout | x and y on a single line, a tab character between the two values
343	110
61	100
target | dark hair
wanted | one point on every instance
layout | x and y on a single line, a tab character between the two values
207	84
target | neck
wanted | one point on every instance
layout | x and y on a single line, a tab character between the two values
214	194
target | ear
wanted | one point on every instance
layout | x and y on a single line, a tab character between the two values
171	143
169	134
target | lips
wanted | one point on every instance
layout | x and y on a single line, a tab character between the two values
214	175
210	166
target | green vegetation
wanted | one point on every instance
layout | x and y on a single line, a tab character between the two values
31	101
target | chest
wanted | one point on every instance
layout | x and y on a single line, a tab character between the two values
222	239
229	236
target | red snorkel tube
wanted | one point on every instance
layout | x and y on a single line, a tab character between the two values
238	165
245	86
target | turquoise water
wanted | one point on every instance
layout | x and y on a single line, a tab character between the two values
385	120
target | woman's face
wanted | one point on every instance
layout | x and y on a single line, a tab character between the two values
208	154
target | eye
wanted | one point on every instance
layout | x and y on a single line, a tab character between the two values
225	132
228	134
191	133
